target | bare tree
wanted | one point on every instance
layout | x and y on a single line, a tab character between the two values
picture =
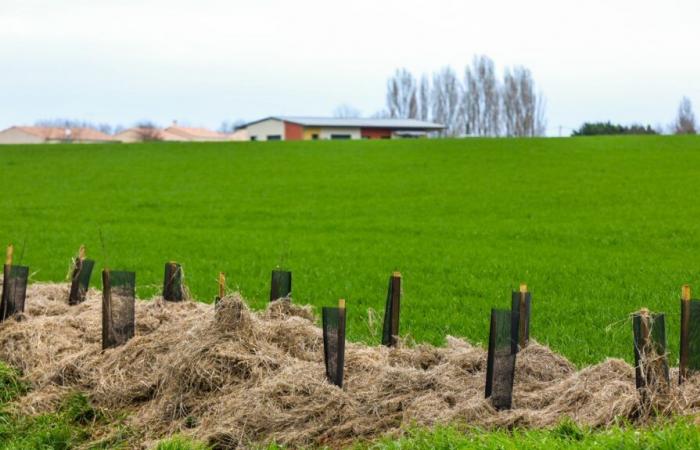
446	102
105	128
481	105
74	123
401	101
381	114
523	109
511	104
346	111
149	131
226	127
685	120
424	105
540	127
65	123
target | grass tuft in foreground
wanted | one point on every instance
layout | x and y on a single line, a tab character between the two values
73	424
682	433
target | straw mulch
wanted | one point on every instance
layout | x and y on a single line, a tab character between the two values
233	377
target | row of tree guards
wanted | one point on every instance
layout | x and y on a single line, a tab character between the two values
509	328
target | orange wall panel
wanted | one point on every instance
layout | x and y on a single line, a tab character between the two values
293	132
376	133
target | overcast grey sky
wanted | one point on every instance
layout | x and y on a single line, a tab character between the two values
202	62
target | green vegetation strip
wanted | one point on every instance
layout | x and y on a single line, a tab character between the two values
597	227
670	436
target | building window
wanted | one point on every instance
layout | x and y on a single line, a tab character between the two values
274	137
341	136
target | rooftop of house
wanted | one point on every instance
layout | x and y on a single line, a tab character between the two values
59	133
404	124
195	133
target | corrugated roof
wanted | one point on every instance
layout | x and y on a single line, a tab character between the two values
404	124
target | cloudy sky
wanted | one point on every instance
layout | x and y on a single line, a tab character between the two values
205	61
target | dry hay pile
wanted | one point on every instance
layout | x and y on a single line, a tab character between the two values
232	376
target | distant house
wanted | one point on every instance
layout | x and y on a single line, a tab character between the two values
287	128
178	133
196	134
146	134
43	135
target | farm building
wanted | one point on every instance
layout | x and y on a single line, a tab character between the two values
44	135
286	128
178	133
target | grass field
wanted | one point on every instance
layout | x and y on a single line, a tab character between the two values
597	227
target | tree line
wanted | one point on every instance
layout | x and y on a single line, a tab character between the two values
477	103
609	128
683	124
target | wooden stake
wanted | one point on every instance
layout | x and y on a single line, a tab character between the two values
685	333
644	315
74	295
106	309
395	307
222	284
644	349
522	326
172	282
8	255
280	284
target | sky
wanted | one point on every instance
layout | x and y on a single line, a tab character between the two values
206	61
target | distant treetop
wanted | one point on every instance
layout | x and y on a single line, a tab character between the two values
600	128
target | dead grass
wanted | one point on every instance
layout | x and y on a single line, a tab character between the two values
230	376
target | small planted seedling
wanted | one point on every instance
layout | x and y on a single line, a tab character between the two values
392	311
118	307
500	363
222	288
690	335
80	277
14	287
650	362
173	289
520	305
280	285
334	342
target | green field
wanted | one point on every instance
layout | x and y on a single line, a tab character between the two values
597	227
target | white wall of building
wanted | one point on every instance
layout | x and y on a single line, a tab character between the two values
261	130
17	136
327	132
